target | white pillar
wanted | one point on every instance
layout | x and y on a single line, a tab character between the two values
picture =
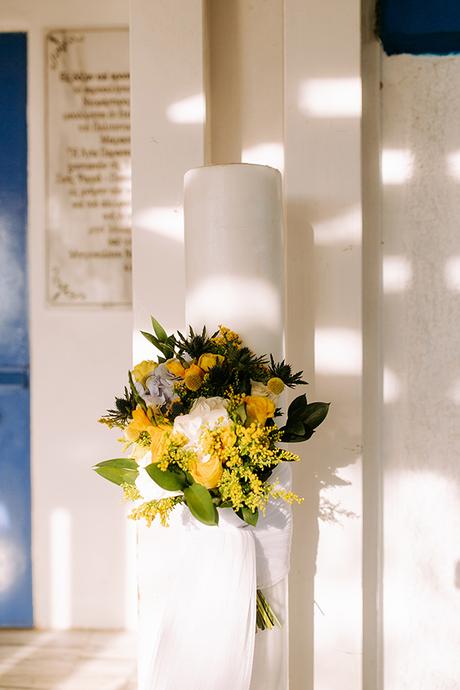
323	208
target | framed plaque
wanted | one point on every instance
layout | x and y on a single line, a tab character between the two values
88	167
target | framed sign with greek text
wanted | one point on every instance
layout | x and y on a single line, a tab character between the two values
88	168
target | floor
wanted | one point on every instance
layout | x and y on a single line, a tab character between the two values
69	660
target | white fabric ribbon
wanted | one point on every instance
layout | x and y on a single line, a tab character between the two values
197	597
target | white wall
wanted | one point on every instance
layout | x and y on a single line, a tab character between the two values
79	359
323	205
421	392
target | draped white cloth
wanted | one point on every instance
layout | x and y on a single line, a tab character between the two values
197	597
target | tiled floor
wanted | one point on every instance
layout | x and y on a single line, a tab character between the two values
70	660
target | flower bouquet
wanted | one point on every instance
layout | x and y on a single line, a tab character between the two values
200	428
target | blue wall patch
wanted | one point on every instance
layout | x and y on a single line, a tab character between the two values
430	27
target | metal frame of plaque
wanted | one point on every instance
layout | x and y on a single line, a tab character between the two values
88	167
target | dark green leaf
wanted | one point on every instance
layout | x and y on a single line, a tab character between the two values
199	501
164	348
136	395
168	480
118	470
314	414
159	330
297	407
248	516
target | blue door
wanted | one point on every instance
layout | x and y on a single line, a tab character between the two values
15	551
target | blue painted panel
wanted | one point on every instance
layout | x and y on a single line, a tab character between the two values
15	530
428	27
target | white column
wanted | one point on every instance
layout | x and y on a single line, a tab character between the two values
323	204
235	276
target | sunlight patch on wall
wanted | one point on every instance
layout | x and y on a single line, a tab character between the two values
454	392
452	273
271	154
338	351
189	111
397	166
397	274
12	564
61	569
331	98
166	221
391	386
453	164
345	228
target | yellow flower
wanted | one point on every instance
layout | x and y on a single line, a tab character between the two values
207	361
143	370
159	438
139	423
259	409
193	377
176	368
207	473
275	385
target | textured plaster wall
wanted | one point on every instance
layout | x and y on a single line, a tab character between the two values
421	345
79	357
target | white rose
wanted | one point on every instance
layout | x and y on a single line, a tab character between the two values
205	413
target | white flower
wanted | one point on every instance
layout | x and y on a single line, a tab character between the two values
148	489
260	389
206	413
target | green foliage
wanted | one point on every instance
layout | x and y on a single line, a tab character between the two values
118	470
194	344
249	516
135	394
122	412
283	371
167	479
200	504
302	419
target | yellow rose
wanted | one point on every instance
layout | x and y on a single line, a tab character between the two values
207	473
207	361
193	377
176	368
259	409
159	438
139	423
143	370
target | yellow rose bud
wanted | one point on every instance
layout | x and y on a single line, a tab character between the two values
176	368
139	423
275	385
208	360
193	377
207	473
143	370
259	409
159	438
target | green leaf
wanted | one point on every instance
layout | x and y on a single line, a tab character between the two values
159	330
168	480
199	502
314	414
241	412
136	395
295	428
248	516
297	407
165	348
118	470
